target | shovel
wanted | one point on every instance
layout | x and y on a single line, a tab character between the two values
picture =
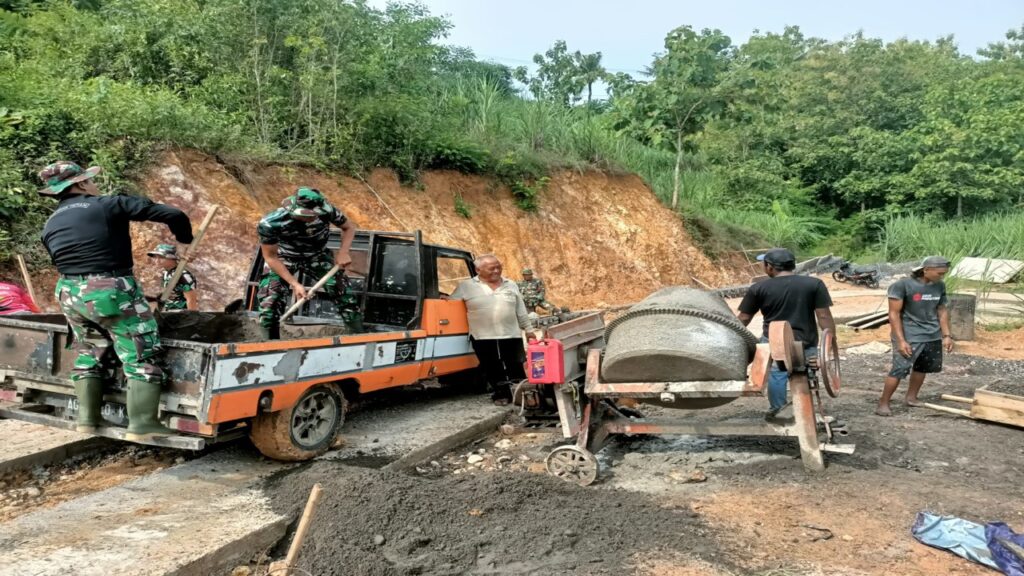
188	254
309	293
28	280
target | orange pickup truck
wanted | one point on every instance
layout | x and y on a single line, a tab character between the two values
288	395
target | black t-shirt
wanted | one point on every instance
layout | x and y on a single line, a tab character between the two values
90	234
793	298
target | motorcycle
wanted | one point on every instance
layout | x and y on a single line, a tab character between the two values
858	276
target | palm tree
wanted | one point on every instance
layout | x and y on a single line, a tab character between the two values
589	70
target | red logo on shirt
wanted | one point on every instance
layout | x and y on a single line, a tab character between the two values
917	297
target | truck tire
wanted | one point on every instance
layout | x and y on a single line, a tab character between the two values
302	431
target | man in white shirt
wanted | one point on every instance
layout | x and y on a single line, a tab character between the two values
497	316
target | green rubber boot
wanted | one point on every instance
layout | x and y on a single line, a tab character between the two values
89	392
143	409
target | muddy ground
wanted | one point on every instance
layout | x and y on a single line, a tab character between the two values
684	506
41	487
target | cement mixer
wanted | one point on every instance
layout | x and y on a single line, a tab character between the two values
683	348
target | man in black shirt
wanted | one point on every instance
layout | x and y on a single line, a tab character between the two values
786	296
88	239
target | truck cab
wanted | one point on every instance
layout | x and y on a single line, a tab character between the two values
395	276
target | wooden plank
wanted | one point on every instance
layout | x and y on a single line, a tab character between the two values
956	411
984	397
695	389
961	399
1001	415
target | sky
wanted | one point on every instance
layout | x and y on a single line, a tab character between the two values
629	32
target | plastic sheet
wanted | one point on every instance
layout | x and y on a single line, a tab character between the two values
961	537
1007	548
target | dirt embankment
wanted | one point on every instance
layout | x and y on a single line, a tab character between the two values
598	239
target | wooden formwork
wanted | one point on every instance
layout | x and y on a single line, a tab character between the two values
987	405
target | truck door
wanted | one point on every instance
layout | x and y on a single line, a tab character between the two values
445	320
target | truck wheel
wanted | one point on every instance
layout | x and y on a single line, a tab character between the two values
304	430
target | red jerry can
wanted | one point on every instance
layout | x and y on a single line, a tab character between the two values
545	362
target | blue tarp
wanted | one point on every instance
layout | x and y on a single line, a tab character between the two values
1007	548
961	537
994	545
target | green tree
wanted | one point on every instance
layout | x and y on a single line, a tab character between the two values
689	86
588	70
562	76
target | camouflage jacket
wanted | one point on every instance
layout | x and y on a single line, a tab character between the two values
186	283
532	290
297	240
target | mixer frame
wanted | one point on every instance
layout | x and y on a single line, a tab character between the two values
602	416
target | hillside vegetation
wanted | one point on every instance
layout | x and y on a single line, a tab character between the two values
781	139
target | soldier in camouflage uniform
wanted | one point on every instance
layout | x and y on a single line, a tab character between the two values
88	241
184	295
293	240
533	292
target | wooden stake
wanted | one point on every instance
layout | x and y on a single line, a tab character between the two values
284	567
952	398
189	253
956	411
309	293
28	279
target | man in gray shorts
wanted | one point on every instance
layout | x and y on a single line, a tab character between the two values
920	329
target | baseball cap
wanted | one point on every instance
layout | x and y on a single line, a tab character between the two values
777	256
305	203
59	175
932	262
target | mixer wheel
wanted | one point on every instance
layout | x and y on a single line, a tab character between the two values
572	464
829	370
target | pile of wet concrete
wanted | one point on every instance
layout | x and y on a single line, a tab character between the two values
381	523
221	327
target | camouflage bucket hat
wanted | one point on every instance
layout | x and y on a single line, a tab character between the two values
164	251
59	175
305	203
527	272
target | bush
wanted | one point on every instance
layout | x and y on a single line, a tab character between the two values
466	157
462	208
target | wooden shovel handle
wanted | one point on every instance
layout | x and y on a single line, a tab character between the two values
309	293
188	254
300	532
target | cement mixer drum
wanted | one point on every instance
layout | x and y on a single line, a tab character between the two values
678	334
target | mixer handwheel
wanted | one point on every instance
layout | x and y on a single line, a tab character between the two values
572	464
829	371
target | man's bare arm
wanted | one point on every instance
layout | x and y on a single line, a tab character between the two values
343	257
825	320
191	300
896	322
947	334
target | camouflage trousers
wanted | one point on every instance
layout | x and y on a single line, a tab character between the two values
110	316
532	304
274	293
